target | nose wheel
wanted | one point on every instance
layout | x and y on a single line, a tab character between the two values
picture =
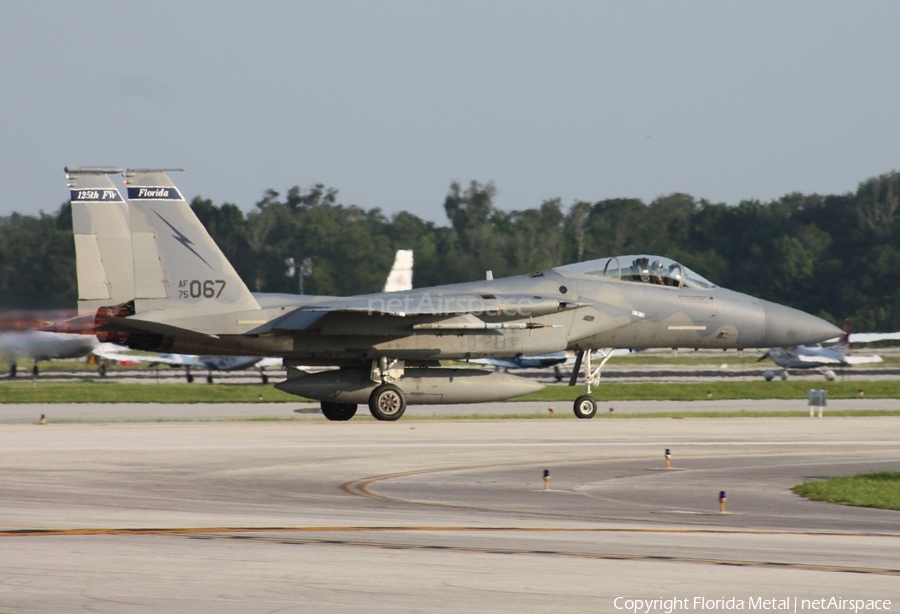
585	407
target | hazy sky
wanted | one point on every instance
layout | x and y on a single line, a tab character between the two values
390	101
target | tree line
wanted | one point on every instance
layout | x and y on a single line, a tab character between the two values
834	256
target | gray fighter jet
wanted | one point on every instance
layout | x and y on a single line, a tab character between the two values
385	347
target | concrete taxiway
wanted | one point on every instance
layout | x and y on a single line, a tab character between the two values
436	516
115	412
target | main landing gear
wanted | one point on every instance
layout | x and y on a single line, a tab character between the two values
338	411
386	402
586	405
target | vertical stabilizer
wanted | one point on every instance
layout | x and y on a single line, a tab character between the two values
843	346
400	277
177	265
102	238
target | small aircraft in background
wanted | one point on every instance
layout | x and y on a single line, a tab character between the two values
401	275
537	361
823	359
187	362
36	345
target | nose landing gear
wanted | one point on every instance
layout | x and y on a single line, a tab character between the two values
585	405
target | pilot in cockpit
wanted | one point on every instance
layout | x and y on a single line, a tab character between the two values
657	272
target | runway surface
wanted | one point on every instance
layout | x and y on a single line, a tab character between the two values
118	412
437	515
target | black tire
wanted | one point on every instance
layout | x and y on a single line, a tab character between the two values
209	379
190	378
102	369
338	411
265	378
387	402
585	407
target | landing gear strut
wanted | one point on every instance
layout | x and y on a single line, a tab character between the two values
585	405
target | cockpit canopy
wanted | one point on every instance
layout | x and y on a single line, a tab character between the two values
642	268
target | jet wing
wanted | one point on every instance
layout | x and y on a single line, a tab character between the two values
819	359
506	306
875	337
270	363
136	323
175	360
505	363
215	363
227	363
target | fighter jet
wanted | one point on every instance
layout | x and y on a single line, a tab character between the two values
385	347
822	359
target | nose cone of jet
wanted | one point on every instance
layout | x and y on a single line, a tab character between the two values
786	326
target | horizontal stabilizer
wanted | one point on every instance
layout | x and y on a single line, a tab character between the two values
93	170
134	324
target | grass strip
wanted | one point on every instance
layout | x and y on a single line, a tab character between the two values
97	391
491	417
719	390
101	391
881	490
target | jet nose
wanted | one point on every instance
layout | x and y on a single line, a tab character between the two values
786	326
